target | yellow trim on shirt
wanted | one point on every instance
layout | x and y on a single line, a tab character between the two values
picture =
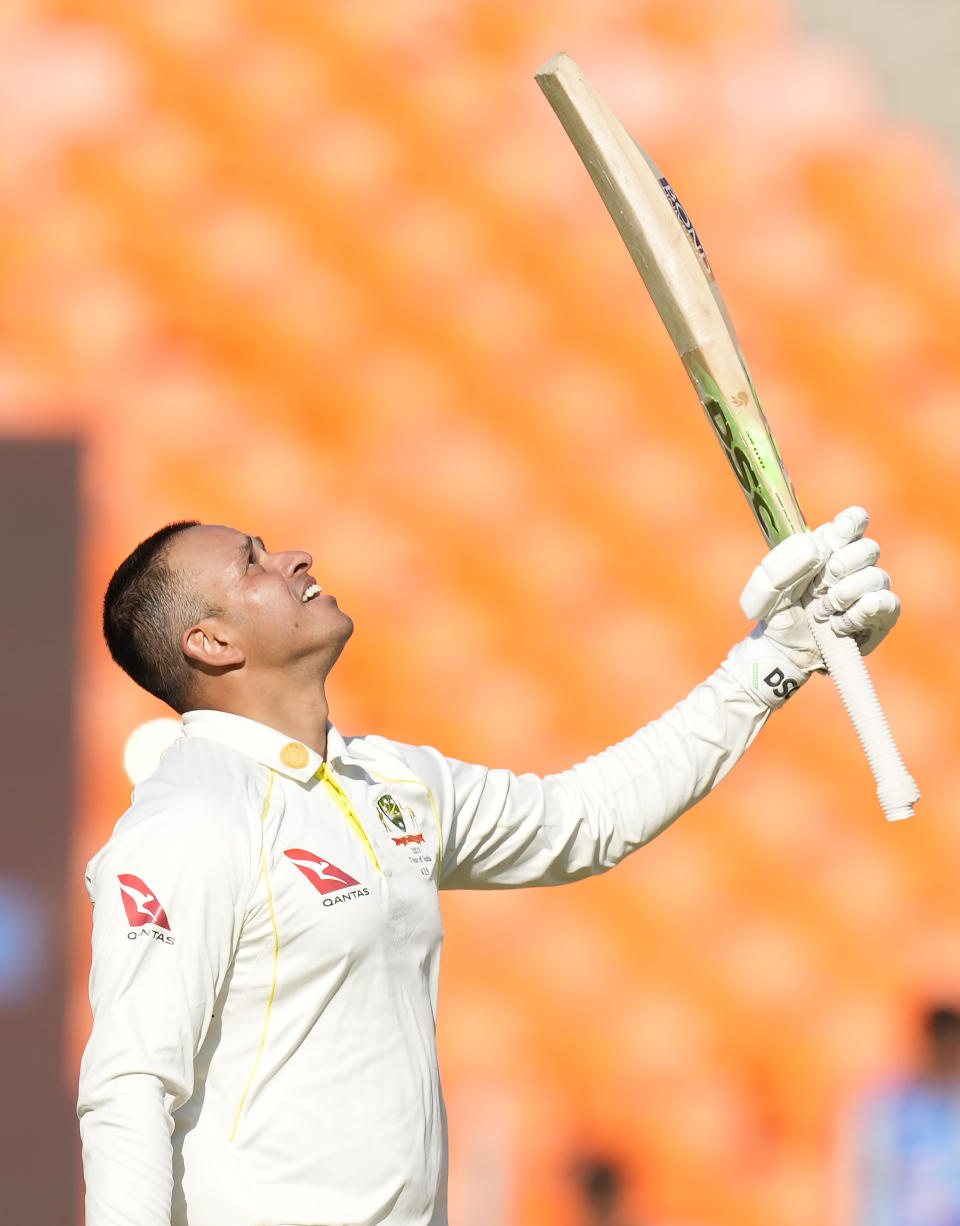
276	960
344	804
433	805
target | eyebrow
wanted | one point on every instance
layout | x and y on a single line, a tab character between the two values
247	547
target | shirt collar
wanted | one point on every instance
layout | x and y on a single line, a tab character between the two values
264	744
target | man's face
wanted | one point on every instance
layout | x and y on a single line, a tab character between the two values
261	596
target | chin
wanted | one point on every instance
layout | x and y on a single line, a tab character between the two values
346	624
340	635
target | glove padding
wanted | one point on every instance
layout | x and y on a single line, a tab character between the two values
832	571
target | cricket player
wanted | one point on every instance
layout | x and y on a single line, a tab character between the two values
267	928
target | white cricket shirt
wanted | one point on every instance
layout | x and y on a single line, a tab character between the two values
266	942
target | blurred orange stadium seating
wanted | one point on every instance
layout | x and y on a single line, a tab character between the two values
329	272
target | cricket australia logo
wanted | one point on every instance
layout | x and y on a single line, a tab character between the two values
402	824
395	820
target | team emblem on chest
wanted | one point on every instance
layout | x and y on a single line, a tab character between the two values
403	827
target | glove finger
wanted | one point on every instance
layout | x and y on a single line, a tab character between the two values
851	524
845	593
849	558
848	526
869	620
787	569
873	611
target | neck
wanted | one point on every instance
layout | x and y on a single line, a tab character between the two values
300	715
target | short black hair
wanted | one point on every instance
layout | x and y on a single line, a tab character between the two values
146	608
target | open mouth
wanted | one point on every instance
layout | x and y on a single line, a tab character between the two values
311	592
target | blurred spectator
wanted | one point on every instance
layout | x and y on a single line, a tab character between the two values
602	1187
906	1139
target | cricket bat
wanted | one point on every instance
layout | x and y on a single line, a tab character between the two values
674	266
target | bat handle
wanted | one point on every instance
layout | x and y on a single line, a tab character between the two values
896	789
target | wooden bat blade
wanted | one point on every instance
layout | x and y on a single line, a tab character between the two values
671	260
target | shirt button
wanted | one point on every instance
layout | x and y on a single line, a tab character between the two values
294	755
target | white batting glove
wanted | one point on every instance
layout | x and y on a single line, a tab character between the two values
832	571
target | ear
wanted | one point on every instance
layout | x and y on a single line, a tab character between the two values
207	644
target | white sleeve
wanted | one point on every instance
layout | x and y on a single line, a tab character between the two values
153	984
506	830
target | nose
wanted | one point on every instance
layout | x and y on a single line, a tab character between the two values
293	561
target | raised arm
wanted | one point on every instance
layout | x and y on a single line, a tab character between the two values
506	830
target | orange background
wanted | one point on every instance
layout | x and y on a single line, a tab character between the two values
330	272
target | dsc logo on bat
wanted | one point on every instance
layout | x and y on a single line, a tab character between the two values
745	473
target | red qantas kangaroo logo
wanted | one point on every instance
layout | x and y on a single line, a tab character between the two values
140	903
321	874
